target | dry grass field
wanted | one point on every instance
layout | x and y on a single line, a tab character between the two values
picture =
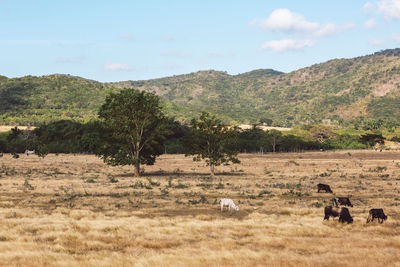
6	128
73	210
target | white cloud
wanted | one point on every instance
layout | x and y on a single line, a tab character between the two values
116	66
396	38
284	20
368	7
370	24
376	42
389	8
286	45
331	29
77	59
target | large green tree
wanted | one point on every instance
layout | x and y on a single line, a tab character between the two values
134	129
212	141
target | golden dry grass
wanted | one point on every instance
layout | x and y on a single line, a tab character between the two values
6	128
73	210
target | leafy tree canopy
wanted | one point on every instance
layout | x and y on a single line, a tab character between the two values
134	128
212	141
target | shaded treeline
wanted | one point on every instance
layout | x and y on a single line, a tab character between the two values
74	137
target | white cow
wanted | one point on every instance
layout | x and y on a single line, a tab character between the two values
29	152
227	202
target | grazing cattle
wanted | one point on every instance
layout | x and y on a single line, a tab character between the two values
324	187
376	213
342	212
227	202
344	201
29	152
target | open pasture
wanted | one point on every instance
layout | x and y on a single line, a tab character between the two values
73	210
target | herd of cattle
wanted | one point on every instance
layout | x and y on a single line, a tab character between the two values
343	212
333	211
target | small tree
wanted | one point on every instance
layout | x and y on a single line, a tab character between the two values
134	129
322	133
212	141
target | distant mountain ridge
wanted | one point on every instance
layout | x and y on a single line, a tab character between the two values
339	89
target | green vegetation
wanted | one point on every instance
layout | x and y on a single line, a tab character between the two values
93	137
134	127
341	91
34	100
212	141
339	104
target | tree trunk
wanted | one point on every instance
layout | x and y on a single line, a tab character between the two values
137	169
137	160
212	168
274	145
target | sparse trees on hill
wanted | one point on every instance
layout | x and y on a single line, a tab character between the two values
212	141
135	129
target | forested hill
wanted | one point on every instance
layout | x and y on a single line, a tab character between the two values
345	89
340	89
32	100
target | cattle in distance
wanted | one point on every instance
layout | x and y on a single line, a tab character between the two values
324	187
342	212
376	214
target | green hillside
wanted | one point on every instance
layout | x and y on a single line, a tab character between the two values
337	89
33	100
340	89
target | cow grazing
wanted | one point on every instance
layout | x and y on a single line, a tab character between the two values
29	152
324	187
376	213
343	201
342	212
227	202
345	216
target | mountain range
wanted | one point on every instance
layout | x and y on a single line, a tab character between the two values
336	90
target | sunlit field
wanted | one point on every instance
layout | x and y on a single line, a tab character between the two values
73	210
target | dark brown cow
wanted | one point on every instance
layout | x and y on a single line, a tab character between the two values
324	187
343	201
376	213
342	212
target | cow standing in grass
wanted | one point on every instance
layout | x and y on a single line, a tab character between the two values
343	201
378	214
342	212
324	187
227	202
29	152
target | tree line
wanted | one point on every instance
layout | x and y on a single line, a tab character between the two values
132	129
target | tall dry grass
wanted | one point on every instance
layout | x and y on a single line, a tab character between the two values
72	210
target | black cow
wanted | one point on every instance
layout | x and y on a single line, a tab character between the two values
376	213
344	201
342	212
324	187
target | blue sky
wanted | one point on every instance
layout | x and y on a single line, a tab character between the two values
134	40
